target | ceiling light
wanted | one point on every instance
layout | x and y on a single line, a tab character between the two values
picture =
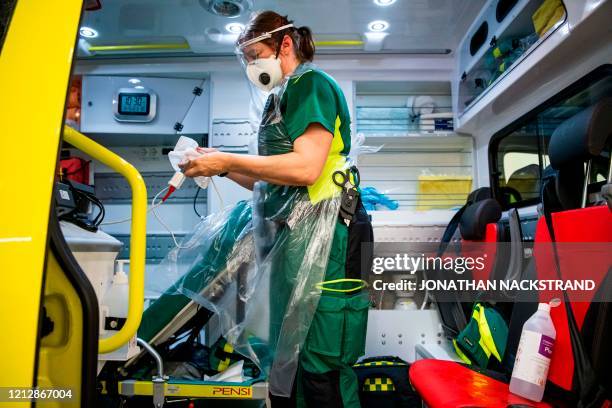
215	35
384	3
88	32
227	8
378	26
374	41
235	28
134	81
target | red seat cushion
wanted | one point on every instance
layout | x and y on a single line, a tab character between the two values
446	384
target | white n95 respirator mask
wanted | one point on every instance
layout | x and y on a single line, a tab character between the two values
265	73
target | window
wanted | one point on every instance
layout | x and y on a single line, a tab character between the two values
503	8
479	38
518	156
518	153
6	12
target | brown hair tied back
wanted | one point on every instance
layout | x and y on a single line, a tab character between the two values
267	21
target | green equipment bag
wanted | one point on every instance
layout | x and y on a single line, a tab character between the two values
383	383
484	336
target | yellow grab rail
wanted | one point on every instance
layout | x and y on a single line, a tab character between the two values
185	46
139	47
339	43
137	237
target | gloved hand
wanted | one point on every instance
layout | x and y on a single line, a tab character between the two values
207	164
187	149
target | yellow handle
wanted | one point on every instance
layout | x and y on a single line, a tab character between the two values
137	238
139	47
185	46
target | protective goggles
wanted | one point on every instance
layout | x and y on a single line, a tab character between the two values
248	55
263	36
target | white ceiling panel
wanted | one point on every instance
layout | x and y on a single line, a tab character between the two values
186	27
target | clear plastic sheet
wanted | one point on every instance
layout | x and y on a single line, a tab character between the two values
256	107
257	264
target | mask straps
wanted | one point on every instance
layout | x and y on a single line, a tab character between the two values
280	43
278	47
265	36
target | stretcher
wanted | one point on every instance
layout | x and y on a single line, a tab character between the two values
255	389
173	310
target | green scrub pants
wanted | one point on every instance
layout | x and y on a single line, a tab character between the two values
336	337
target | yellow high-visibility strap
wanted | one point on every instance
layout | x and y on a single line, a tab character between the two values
486	337
462	356
322	285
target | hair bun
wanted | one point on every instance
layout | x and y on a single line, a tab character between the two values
266	21
306	43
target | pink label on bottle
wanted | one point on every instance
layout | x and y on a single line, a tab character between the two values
546	346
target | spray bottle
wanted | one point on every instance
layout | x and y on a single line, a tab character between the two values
533	355
116	297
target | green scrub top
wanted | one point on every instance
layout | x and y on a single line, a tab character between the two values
315	97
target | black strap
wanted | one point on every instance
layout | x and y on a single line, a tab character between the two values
454	308
590	392
477	195
197	328
450	229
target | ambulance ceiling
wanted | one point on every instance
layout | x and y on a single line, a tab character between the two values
143	28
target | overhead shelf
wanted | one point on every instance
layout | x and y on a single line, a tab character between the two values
504	34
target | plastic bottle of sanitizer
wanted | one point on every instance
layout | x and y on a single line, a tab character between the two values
116	298
533	355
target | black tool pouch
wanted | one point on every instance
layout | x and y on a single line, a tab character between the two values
361	238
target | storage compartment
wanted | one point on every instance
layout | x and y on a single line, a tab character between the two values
503	35
417	173
400	109
420	163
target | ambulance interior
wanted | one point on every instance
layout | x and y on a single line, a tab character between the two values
446	97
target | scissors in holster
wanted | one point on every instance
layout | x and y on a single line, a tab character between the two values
350	193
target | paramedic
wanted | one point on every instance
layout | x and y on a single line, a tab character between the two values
317	123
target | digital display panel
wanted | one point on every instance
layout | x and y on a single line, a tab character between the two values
134	104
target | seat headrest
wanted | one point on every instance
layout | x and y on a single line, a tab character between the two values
582	136
479	194
473	223
563	187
